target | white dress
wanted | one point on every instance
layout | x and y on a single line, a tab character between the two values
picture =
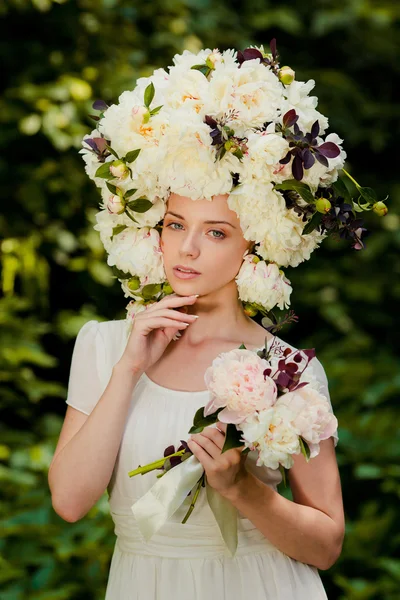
181	561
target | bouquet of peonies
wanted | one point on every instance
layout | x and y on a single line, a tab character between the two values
231	122
271	404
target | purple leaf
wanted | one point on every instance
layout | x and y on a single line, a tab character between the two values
308	158
315	130
286	159
169	450
290	118
283	380
320	158
251	53
297	168
329	149
291	368
272	45
99	105
310	353
210	121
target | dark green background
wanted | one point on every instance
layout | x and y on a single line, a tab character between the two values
57	58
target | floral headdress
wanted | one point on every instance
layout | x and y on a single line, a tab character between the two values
221	123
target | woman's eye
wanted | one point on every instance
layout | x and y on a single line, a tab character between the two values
221	235
173	224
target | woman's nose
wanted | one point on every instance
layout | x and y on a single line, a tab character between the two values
189	246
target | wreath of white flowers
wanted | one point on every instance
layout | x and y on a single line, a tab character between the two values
221	123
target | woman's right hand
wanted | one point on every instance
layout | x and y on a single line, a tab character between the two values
153	329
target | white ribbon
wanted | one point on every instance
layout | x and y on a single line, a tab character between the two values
153	509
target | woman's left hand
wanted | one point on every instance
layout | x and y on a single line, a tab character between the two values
225	470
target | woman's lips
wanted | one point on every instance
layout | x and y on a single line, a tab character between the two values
182	275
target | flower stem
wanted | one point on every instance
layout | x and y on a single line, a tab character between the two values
350	177
196	494
157	464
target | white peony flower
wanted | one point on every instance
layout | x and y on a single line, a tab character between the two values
137	251
264	284
253	91
265	219
188	166
270	432
296	96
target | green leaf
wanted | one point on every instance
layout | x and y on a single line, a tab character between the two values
111	187
232	438
242	347
120	274
150	290
298	186
283	473
305	450
200	421
312	223
154	111
104	172
129	193
203	68
112	151
131	156
117	229
341	190
141	205
149	94
368	194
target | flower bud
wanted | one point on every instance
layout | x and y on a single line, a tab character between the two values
139	113
323	205
249	310
380	208
213	58
134	284
119	169
167	289
286	75
228	145
115	205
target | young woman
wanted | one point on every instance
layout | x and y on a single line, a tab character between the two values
130	399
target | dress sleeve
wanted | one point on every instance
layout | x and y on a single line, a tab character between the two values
84	385
323	381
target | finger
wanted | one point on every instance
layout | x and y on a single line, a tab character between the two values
171	314
172	301
222	426
217	436
208	444
201	454
151	324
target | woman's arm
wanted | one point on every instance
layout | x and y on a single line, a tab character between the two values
88	446
310	529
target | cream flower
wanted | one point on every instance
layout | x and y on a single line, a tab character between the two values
270	432
264	284
137	251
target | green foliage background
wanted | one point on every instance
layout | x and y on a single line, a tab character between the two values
57	57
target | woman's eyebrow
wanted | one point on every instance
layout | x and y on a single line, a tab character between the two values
208	222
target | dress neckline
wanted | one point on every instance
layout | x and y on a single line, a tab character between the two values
196	393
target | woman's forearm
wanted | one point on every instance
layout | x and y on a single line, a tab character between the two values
81	472
301	532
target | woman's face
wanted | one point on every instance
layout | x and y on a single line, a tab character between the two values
205	236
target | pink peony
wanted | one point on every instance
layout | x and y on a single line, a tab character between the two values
314	420
236	381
